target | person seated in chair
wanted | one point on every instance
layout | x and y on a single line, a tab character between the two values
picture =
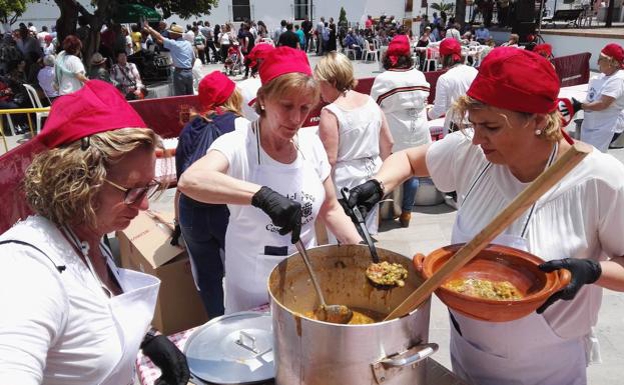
128	78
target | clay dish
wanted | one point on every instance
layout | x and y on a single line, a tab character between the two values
495	263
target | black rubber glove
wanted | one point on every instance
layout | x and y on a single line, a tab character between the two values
168	358
284	212
583	271
175	237
576	106
365	196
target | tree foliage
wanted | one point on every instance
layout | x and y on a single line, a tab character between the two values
11	10
183	8
442	6
71	9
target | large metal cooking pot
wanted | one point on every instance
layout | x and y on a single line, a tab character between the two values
318	353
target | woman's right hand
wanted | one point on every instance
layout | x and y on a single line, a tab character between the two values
284	212
366	196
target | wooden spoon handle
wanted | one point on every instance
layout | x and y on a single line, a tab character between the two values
544	182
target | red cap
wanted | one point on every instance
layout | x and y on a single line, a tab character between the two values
214	90
399	46
284	60
96	107
450	46
47	38
543	49
259	51
517	80
614	51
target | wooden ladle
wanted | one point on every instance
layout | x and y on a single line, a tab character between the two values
544	182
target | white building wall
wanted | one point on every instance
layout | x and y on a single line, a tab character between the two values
570	45
269	11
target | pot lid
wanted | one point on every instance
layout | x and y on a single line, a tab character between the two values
232	349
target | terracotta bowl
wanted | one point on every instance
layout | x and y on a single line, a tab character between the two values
495	263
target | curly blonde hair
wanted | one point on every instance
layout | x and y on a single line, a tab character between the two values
552	131
62	183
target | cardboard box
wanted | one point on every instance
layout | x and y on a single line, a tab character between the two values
144	246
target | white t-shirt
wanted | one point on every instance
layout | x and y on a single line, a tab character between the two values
241	150
450	86
55	328
402	96
67	82
597	124
249	90
581	217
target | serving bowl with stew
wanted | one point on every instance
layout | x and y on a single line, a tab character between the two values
368	352
500	284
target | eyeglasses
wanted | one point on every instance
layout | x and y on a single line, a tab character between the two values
136	194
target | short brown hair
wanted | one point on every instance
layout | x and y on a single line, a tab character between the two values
62	183
336	69
72	45
285	84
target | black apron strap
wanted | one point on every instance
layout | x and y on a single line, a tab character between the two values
60	268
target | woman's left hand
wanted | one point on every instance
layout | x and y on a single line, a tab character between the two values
169	359
584	272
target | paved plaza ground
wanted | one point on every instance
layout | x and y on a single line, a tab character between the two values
430	229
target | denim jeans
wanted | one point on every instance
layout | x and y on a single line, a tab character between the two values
203	228
409	193
182	82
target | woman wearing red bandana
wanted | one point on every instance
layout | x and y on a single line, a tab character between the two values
604	107
70	316
453	83
401	92
275	180
576	225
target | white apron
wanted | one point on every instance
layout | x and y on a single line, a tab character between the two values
353	173
247	267
520	352
132	312
598	126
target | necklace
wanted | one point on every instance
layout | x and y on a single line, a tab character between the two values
293	148
82	249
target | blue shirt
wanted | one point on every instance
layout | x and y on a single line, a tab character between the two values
483	33
181	52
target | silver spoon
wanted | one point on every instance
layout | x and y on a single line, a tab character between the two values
336	314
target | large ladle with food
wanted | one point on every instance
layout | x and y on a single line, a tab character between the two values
336	314
544	182
383	275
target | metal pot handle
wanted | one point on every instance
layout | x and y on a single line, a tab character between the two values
422	352
387	368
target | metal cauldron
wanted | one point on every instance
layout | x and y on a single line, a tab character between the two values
317	353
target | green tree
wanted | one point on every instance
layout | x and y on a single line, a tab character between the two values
442	6
11	10
105	9
342	19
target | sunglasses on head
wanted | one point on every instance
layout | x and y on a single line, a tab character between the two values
136	194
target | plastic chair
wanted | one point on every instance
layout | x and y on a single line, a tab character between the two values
431	59
36	102
350	52
368	51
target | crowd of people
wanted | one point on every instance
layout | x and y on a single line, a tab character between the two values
251	184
